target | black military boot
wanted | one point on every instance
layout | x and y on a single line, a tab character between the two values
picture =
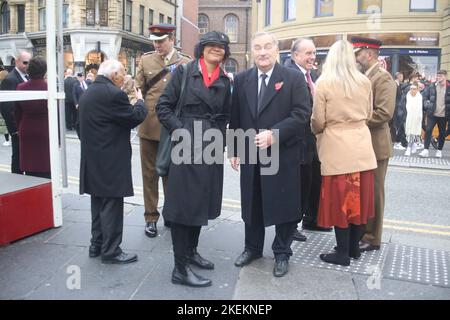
196	259
356	232
183	275
341	256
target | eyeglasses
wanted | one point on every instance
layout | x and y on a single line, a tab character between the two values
25	62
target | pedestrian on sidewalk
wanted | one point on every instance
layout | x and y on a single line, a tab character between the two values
303	56
437	107
342	108
106	118
397	124
413	124
272	101
205	104
31	117
384	94
152	75
71	111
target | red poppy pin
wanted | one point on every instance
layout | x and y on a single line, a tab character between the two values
278	86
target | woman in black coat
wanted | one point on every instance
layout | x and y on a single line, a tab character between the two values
195	185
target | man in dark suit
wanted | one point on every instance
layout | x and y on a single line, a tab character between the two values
71	112
272	100
106	118
78	90
16	76
303	56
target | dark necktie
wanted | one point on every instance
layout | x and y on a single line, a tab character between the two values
262	90
312	89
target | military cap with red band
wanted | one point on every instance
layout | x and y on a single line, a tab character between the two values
365	43
161	31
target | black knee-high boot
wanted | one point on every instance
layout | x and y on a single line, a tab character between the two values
341	256
182	274
356	232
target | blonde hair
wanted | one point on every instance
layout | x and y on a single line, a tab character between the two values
340	68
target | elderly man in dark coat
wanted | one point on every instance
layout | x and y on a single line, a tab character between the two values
274	101
106	118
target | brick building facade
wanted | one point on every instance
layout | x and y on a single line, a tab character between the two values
232	17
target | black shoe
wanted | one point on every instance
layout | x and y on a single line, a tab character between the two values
199	261
335	258
298	236
188	278
354	255
281	268
312	227
122	258
246	257
150	229
365	246
94	251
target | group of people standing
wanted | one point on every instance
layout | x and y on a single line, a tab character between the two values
331	134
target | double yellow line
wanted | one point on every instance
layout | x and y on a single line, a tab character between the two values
400	225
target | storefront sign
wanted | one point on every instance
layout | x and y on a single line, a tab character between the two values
419	39
137	46
37	43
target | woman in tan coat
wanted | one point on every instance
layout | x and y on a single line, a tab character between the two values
342	107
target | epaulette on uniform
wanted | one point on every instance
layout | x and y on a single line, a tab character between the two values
150	52
184	55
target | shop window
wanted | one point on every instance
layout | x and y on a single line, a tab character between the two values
231	27
41	14
268	15
20	18
4	16
422	5
151	13
324	8
141	19
289	10
369	6
161	18
231	66
127	20
203	23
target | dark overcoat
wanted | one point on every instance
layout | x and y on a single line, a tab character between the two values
194	191
32	123
7	108
308	144
106	118
287	109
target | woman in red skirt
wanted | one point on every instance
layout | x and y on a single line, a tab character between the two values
342	107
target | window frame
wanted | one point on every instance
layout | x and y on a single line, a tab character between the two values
237	27
42	26
141	19
105	10
421	10
5	14
286	11
317	10
268	13
19	20
365	12
151	13
161	17
128	26
207	23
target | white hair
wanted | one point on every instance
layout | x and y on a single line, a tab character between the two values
109	67
264	33
20	52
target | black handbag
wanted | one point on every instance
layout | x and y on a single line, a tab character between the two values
165	143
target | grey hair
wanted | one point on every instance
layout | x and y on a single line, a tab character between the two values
297	42
264	33
109	67
19	52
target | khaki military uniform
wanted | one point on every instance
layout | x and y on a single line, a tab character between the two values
384	96
149	130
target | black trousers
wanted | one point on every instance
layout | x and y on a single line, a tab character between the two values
71	115
15	157
184	238
401	135
107	225
431	122
310	188
255	232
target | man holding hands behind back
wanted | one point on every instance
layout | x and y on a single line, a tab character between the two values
106	118
273	101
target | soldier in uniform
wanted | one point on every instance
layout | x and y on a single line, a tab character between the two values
384	92
152	75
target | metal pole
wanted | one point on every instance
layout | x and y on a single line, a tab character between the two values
61	103
55	161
